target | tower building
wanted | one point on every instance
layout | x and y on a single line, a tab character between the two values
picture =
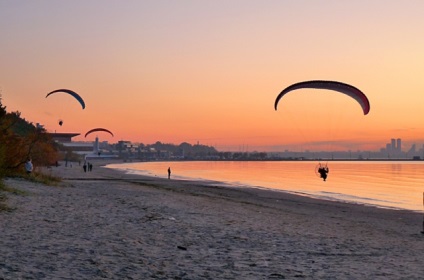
398	145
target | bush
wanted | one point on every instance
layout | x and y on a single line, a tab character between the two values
3	197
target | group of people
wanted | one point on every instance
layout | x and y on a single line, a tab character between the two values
87	166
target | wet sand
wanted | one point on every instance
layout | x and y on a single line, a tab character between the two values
106	224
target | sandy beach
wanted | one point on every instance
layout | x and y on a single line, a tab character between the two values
106	224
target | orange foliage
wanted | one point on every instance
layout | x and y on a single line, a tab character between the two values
20	140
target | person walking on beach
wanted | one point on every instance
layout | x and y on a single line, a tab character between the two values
28	166
169	172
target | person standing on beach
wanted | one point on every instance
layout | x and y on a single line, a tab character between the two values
169	172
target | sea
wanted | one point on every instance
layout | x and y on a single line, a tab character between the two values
386	184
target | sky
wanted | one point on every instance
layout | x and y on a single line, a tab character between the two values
208	72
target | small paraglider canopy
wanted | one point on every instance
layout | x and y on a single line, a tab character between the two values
72	93
347	89
98	129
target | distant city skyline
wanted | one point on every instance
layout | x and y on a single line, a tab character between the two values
393	148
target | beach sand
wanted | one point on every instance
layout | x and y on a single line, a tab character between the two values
106	224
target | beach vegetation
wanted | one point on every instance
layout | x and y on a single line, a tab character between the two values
6	189
3	205
3	197
21	140
40	177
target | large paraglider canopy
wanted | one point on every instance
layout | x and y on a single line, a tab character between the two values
72	93
347	89
98	129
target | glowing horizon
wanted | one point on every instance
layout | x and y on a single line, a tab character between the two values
200	71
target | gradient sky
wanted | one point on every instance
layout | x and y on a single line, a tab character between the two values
209	71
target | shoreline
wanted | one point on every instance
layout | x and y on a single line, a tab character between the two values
325	194
108	224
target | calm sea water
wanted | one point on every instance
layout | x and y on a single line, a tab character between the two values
398	185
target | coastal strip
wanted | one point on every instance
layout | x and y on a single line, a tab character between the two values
106	224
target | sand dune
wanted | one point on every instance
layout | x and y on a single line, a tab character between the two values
108	225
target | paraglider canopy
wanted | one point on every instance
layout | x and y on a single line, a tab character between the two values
98	129
347	89
72	93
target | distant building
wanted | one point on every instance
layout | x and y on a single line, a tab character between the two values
96	147
399	145
393	148
412	150
65	139
393	145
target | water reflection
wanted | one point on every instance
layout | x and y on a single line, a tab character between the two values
385	184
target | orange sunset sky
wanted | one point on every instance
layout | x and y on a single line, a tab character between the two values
209	71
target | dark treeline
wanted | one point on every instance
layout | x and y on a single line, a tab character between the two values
161	150
183	151
20	140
